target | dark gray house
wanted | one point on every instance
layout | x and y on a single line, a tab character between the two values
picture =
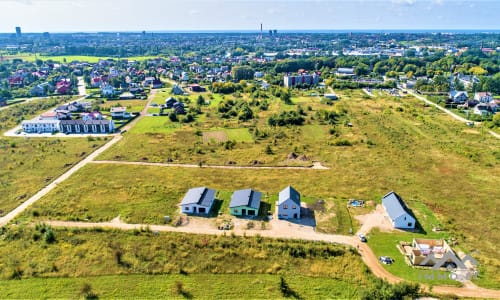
245	203
198	200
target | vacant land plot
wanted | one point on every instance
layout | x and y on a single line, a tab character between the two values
197	286
84	253
393	144
27	165
214	137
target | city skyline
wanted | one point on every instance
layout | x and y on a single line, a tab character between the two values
221	15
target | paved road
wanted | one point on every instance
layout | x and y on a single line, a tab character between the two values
455	116
367	255
315	166
81	86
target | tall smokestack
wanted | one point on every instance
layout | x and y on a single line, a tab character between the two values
260	30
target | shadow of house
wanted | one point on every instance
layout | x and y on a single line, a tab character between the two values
308	218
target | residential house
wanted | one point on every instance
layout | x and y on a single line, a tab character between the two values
107	90
245	203
95	115
169	103
196	88
397	212
177	90
179	108
63	86
198	200
119	113
3	101
156	84
288	205
126	96
458	97
436	253
84	127
41	125
148	81
41	89
483	97
483	109
468	80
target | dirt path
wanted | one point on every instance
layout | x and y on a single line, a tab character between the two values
140	163
295	231
18	210
455	116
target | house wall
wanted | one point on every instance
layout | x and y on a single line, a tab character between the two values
238	211
189	209
286	210
403	221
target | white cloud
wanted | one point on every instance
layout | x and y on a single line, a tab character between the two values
404	2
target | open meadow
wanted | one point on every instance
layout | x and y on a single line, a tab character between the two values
400	144
29	164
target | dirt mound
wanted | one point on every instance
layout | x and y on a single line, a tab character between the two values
292	155
256	162
302	157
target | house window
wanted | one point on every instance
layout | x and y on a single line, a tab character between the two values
285	206
409	224
186	208
236	211
294	207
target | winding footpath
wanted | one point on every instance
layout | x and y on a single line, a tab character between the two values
298	232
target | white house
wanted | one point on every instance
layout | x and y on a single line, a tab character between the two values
458	96
119	113
41	126
397	211
198	200
483	97
288	205
107	90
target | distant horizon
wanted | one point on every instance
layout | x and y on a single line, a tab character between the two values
70	16
265	32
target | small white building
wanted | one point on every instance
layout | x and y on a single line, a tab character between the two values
107	90
483	97
119	113
288	205
41	126
198	201
397	211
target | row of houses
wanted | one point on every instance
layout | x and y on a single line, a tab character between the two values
245	202
68	126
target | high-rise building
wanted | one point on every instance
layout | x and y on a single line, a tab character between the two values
18	32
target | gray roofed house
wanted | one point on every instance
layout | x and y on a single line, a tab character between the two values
288	205
198	200
397	211
245	202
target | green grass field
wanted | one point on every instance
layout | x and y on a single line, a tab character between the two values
198	286
397	144
70	58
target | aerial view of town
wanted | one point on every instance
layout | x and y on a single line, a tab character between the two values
251	149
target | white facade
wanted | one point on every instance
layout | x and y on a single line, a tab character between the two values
41	126
288	210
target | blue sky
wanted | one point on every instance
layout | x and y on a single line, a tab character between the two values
149	15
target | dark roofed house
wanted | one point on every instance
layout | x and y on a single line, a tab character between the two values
198	200
397	211
245	203
179	108
288	205
170	102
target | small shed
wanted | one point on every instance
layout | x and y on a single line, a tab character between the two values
245	203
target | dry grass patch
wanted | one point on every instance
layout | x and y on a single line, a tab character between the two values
214	136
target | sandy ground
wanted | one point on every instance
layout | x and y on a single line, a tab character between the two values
374	219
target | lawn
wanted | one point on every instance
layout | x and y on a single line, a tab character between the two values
70	58
198	286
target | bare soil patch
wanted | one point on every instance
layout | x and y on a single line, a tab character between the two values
216	136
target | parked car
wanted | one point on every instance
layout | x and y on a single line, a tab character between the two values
362	238
386	260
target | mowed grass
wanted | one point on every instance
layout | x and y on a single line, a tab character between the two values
198	286
70	58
